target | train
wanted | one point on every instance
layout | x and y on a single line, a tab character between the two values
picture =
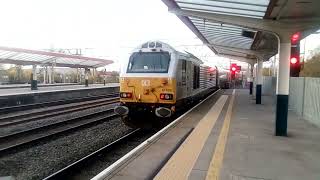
159	80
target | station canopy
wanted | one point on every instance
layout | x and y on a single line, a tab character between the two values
20	56
215	34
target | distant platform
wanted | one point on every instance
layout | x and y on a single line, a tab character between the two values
23	95
12	86
51	88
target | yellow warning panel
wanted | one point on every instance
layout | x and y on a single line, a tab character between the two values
217	159
181	163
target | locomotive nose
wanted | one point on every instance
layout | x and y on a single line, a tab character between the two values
121	110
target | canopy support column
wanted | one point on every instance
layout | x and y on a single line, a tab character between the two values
282	91
34	82
251	78
86	72
52	73
45	74
104	77
259	81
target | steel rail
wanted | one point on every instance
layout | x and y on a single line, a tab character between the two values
64	171
33	116
15	140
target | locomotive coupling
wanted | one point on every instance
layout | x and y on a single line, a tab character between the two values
163	112
121	110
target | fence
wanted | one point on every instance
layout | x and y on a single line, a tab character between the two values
304	96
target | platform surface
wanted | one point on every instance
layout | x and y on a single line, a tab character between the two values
13	86
239	146
248	150
27	90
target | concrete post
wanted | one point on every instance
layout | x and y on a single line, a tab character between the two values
259	82
86	72
282	91
34	83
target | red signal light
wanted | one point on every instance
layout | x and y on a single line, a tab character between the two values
295	37
293	60
233	69
211	69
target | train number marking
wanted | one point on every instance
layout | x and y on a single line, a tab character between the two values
145	82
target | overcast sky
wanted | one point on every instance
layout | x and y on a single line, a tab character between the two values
108	29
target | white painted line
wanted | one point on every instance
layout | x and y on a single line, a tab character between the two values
112	169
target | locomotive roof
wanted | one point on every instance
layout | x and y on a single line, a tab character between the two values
149	46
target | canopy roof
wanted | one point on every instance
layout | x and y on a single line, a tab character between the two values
34	57
236	41
217	33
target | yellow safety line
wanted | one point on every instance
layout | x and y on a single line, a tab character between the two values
181	163
217	159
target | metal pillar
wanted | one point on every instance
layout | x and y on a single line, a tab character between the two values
259	82
86	72
283	89
34	83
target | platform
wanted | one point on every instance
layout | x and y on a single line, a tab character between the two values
27	90
228	137
19	96
13	86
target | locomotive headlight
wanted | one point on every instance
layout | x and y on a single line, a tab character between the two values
126	95
166	96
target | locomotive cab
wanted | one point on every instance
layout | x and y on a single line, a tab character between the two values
147	82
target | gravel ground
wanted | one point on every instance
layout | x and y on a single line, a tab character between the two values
94	167
50	120
41	160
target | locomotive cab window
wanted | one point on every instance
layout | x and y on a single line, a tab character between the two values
196	77
149	62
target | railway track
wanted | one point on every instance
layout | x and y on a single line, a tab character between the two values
4	110
15	140
54	111
73	168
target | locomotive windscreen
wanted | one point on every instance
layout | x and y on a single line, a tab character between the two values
149	62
